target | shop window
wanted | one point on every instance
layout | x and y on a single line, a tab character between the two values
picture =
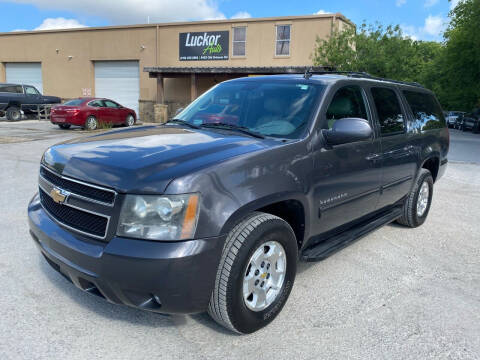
239	40
282	46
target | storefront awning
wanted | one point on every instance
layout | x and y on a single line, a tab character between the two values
155	71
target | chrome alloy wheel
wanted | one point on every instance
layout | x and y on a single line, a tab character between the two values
91	123
130	120
422	201
264	276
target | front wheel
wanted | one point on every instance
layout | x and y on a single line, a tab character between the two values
256	273
417	205
130	120
91	123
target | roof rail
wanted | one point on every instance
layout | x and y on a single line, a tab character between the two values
356	74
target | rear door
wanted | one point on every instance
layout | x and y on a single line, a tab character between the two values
97	108
398	156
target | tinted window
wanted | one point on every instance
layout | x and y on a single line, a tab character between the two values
30	90
427	113
389	111
111	104
74	102
96	103
15	89
271	108
347	103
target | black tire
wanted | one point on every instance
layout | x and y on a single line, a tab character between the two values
91	123
227	305
14	113
64	126
410	216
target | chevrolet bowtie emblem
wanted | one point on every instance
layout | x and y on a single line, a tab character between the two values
58	196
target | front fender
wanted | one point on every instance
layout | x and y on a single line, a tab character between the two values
231	190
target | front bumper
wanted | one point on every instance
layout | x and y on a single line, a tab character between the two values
165	277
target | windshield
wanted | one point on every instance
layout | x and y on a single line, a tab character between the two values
271	108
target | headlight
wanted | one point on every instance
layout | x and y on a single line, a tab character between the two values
152	217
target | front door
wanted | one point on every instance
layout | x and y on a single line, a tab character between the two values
346	181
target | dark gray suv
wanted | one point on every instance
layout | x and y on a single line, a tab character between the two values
212	210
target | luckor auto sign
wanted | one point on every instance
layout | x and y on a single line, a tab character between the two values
210	45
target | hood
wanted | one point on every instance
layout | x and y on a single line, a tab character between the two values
51	99
145	159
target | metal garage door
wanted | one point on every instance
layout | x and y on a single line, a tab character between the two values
25	73
119	81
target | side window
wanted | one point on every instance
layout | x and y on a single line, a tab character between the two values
427	114
111	104
30	90
96	103
15	89
389	111
346	103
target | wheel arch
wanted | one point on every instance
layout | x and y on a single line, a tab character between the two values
432	164
290	207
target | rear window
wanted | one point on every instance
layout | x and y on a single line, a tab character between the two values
426	111
74	102
14	89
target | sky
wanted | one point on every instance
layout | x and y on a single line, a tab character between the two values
419	19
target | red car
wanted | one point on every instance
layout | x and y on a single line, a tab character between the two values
89	112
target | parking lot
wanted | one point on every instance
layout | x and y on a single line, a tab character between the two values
397	293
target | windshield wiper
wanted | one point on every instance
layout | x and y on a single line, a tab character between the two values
182	122
232	127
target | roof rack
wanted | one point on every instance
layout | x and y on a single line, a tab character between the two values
356	74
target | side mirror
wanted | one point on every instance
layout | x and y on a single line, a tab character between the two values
179	110
348	130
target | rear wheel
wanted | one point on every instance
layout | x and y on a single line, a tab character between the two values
64	126
417	204
130	120
91	123
14	113
256	273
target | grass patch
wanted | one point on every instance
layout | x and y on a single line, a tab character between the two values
104	125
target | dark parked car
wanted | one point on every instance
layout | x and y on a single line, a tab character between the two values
470	121
452	117
89	112
204	213
16	98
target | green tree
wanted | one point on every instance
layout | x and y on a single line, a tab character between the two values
378	50
451	68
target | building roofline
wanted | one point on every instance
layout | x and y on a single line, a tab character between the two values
183	23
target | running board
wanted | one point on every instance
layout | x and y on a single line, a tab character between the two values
325	248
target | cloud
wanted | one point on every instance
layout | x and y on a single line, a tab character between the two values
241	15
59	23
432	29
430	3
400	2
16	30
321	12
434	25
135	11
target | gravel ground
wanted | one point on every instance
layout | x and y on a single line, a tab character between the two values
397	293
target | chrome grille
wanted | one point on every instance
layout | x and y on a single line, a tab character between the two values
79	206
